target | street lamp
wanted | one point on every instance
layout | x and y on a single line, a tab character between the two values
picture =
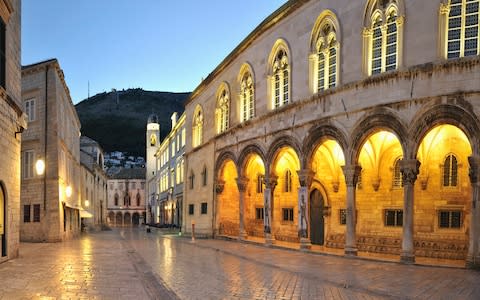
87	203
68	191
40	166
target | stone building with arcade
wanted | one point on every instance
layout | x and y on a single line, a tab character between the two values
344	124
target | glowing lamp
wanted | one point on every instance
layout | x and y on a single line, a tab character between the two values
68	191
40	167
87	203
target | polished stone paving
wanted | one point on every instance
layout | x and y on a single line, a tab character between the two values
133	264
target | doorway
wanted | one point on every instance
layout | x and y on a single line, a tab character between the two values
3	221
317	226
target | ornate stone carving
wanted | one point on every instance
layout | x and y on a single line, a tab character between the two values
271	182
305	177
376	184
474	170
219	185
410	169
242	184
351	173
335	186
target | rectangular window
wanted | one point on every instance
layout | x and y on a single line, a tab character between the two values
204	208
287	214
30	109
259	213
343	216
191	209
27	164
26	213
260	184
36	213
393	217
450	219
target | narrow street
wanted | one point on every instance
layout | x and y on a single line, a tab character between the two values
133	264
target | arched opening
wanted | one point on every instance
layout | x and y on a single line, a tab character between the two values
285	200
379	195
3	220
127	219
326	214
254	171
228	219
119	219
136	219
111	218
442	194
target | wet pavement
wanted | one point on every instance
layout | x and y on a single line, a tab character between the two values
133	264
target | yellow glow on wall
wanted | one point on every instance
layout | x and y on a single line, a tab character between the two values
443	139
286	159
378	146
229	171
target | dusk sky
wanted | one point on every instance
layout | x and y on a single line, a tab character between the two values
152	44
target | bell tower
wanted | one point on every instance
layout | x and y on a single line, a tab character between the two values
152	142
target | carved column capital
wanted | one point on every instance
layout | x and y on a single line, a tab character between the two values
305	177
410	169
242	184
474	169
219	185
271	182
445	8
351	173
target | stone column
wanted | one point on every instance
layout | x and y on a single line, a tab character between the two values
305	177
219	186
351	173
410	170
242	186
270	184
473	257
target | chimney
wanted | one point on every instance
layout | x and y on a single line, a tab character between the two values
174	119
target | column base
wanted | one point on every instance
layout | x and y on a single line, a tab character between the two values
305	244
351	251
269	240
243	235
472	262
407	258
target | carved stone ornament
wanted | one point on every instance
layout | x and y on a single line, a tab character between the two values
242	184
305	177
474	169
219	185
351	173
410	169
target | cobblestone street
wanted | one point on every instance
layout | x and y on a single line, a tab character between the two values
131	264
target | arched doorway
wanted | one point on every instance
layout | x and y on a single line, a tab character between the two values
136	219
127	219
317	224
111	218
254	171
3	221
228	201
118	219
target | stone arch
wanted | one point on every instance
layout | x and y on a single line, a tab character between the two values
446	114
220	162
319	133
280	44
326	17
245	68
378	118
118	219
246	152
379	6
283	141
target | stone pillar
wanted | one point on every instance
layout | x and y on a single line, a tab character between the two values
410	170
305	177
242	186
351	173
270	184
473	257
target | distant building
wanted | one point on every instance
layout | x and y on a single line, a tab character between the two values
126	198
12	123
94	184
167	209
152	142
51	202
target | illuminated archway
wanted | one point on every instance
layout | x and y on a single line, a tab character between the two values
228	220
119	219
325	219
127	219
254	171
443	193
285	165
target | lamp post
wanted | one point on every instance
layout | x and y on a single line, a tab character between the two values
40	167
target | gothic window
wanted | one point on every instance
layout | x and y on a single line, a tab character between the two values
450	171
222	111
191	179
247	97
382	36
204	176
260	179
462	28
116	199
139	198
281	79
397	180
288	181
326	56
197	129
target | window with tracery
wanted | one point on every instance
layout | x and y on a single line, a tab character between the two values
247	98
327	58
463	28
197	127
222	111
281	80
450	171
288	181
397	180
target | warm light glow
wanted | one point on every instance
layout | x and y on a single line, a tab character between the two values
40	166
87	203
441	140
379	146
68	191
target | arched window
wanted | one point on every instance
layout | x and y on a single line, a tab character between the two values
288	181
116	199
204	176
222	111
197	127
280	79
397	180
450	171
382	36
247	105
326	51
462	28
139	198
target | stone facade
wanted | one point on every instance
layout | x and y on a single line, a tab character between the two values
94	184
363	136
12	123
51	202
126	198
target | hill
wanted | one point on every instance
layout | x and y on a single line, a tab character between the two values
117	120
